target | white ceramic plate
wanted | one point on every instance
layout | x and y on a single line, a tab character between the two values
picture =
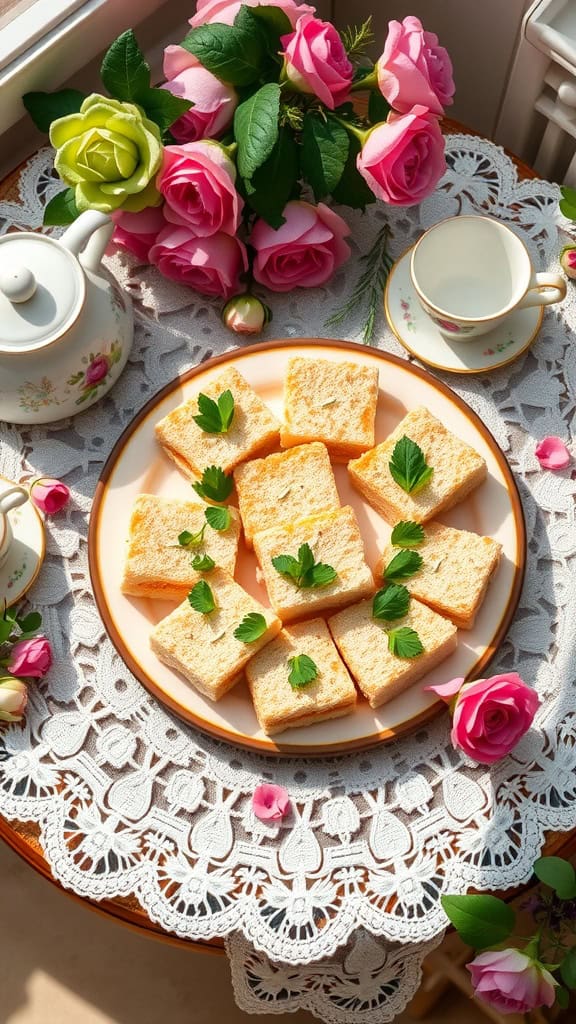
137	465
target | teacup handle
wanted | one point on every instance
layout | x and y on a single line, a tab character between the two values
12	498
544	290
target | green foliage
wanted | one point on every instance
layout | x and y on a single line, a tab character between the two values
558	874
252	627
303	671
325	146
369	288
45	107
273	183
124	70
61	209
256	128
480	920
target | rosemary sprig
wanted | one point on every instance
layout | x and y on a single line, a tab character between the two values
357	38
369	288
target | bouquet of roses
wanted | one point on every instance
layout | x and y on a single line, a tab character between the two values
222	176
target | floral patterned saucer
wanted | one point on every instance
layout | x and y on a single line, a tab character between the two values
416	332
26	551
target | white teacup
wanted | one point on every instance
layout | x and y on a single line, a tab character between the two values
470	273
9	499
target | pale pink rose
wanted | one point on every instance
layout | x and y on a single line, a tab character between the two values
511	982
402	159
211	265
197	181
552	453
316	61
30	658
490	716
245	314
414	69
49	495
13	699
305	250
137	232
224	11
214	101
269	802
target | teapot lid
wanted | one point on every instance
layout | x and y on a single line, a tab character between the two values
42	290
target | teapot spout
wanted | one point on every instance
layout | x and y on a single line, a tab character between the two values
89	235
12	498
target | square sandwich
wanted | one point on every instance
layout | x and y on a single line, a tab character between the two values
280	704
330	402
457	470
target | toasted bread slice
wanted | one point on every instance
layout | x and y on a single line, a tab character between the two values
458	469
335	540
156	565
363	644
203	648
330	402
285	486
254	430
278	706
456	569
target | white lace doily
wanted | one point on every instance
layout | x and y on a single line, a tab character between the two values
130	800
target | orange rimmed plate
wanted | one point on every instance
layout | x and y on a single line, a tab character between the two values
138	465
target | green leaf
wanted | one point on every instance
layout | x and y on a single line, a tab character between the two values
568	968
287	565
273	182
191	540
480	920
201	598
408	466
233	54
352	190
45	107
568	193
252	627
320	575
30	623
218	517
214	484
558	874
124	71
256	128
407	534
404	642
302	671
215	417
562	998
568	209
303	571
163	107
325	145
203	563
378	107
306	558
273	19
61	209
402	566
6	627
391	603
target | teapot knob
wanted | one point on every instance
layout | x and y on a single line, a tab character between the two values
17	284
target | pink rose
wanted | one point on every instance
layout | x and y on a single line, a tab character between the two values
552	453
197	181
413	69
97	370
224	11
30	658
305	250
490	715
568	261
316	61
49	495
13	699
245	314
137	232
403	160
270	803
511	982
211	265
214	101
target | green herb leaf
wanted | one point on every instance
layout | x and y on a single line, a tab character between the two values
558	874
61	209
214	485
272	184
191	540
391	603
357	38
45	107
288	566
124	70
320	575
306	558
233	54
218	517
407	535
408	466
370	285
256	128
203	563
163	107
302	671
404	642
325	145
215	417
480	920
252	627
303	571
568	968
201	598
402	566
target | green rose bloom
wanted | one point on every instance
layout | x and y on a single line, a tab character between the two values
109	152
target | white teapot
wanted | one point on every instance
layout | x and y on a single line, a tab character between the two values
66	327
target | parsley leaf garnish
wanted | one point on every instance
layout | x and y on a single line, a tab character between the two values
303	571
302	671
191	540
215	417
201	598
404	642
203	563
391	603
214	484
252	627
402	566
409	467
217	517
407	535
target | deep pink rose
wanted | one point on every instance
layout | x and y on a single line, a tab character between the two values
552	453
214	101
269	802
316	61
211	265
49	495
197	181
305	250
30	658
511	981
97	370
403	160
414	69
137	232
224	11
13	699
490	715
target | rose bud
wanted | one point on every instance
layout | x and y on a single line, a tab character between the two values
31	658
13	699
49	495
568	261
245	314
511	981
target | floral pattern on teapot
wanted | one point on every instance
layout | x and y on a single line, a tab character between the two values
96	372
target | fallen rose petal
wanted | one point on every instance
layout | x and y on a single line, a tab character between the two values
552	453
446	690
